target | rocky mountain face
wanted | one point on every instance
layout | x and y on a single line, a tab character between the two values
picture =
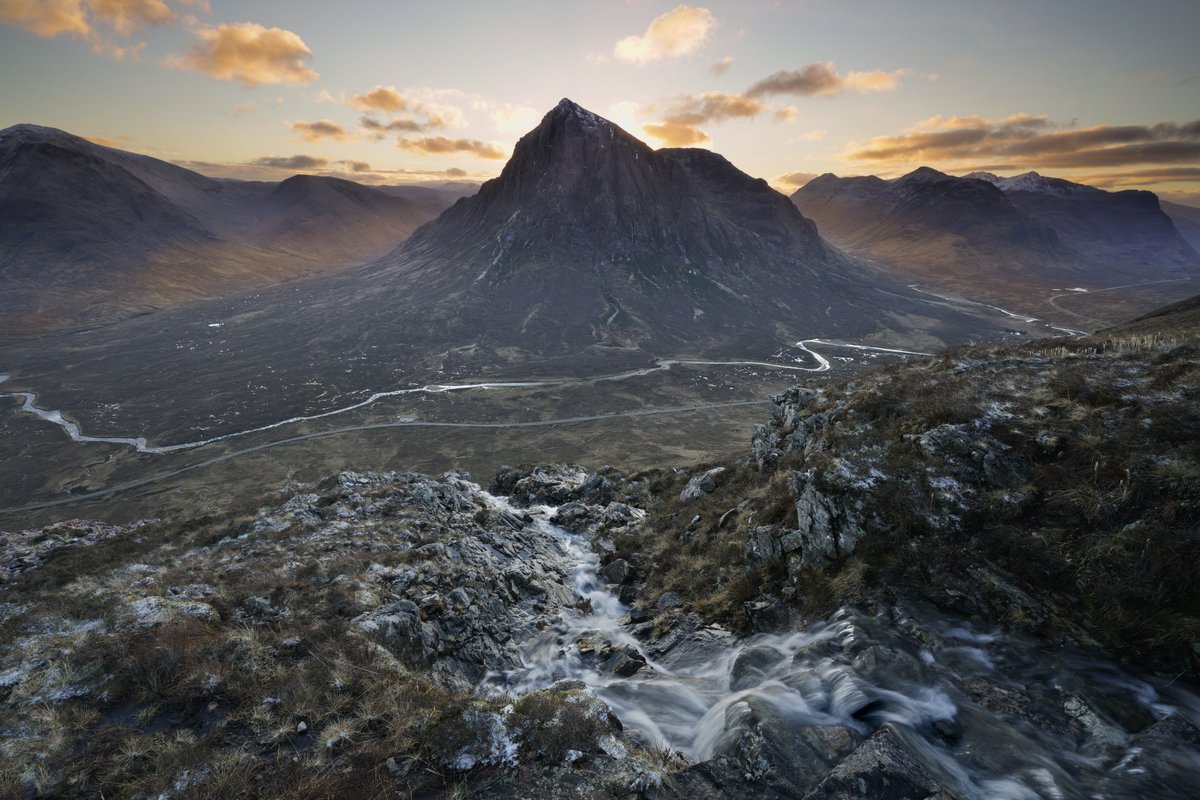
91	233
903	591
1126	233
934	225
599	239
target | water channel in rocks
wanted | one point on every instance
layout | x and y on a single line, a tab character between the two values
989	715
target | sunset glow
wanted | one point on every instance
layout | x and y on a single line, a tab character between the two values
1102	91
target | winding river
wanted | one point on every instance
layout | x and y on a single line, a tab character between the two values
142	445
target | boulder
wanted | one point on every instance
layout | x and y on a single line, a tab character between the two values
700	486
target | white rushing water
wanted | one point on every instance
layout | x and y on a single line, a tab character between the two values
858	672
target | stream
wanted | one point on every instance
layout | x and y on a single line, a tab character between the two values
990	715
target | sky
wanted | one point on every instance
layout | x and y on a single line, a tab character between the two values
1106	92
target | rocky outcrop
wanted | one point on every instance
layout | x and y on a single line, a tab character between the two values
27	550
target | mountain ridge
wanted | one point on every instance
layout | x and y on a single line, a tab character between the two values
93	234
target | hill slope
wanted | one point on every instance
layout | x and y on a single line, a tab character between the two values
934	226
1124	234
90	234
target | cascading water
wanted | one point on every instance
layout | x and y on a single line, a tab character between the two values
990	715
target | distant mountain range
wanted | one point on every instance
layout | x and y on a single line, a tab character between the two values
91	233
1127	231
980	229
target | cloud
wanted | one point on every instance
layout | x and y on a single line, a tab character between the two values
823	80
250	53
674	134
46	18
291	162
515	119
722	66
441	145
381	98
794	180
321	129
678	32
455	172
1142	177
1023	141
128	16
93	21
680	120
355	166
398	125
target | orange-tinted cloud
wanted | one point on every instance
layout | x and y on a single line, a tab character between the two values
680	120
1142	177
823	80
1026	142
46	18
93	21
674	134
793	180
712	107
441	145
321	129
678	32
249	53
127	16
381	98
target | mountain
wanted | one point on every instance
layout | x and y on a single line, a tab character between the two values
933	226
1125	234
91	234
589	236
590	254
1187	221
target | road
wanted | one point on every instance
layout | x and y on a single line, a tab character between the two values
540	423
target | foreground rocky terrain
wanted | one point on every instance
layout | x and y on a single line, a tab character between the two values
906	589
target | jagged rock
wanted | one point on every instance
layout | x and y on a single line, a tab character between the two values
881	769
551	485
624	663
618	571
668	600
751	666
764	446
766	613
775	752
27	550
700	486
763	547
829	529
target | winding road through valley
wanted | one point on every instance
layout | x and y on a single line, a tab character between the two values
142	445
